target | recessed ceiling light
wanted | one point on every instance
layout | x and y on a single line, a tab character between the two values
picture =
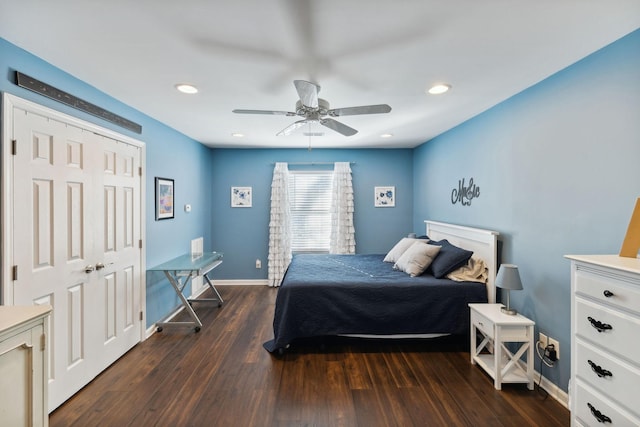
386	135
439	88
186	88
237	134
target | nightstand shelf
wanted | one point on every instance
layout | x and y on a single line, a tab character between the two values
491	354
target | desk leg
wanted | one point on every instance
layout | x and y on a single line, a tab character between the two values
215	291
185	303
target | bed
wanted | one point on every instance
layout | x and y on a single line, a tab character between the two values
361	295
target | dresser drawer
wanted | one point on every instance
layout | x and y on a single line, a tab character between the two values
620	333
617	290
483	323
590	406
614	378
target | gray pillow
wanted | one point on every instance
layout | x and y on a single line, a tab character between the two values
396	252
415	260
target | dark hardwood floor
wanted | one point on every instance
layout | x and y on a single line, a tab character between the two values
222	376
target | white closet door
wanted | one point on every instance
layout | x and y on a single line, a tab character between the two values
76	232
117	236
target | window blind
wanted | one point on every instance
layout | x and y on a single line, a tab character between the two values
310	210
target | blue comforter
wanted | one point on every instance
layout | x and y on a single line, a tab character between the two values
325	295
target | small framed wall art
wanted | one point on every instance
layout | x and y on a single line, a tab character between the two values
385	197
240	197
164	198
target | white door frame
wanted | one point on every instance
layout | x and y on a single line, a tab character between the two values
10	101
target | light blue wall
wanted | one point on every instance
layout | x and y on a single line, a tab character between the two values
169	154
558	170
243	233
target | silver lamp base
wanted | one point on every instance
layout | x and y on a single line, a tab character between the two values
510	311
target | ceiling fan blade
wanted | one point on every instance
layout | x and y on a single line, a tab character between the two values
365	109
277	113
338	127
292	127
308	93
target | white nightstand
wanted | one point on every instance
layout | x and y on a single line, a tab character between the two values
499	328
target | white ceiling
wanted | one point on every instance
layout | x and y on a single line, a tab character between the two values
246	53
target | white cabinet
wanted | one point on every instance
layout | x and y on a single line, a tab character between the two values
498	329
605	349
23	365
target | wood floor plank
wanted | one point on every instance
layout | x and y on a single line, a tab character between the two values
222	376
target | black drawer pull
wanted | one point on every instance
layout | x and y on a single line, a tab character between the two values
601	327
602	418
599	371
607	293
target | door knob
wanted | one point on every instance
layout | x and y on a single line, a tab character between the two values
89	268
100	266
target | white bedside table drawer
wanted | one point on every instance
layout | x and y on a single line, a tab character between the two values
618	331
614	378
610	291
514	333
591	407
483	323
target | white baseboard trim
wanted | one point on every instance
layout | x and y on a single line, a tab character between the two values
150	331
554	391
256	282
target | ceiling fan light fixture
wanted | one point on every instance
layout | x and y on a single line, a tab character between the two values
187	88
439	88
315	110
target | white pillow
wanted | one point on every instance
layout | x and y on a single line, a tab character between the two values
396	252
415	260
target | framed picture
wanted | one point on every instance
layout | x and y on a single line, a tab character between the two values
385	197
240	197
164	198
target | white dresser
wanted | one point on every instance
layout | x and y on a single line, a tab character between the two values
23	366
605	340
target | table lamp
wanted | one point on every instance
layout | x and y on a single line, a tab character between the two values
508	278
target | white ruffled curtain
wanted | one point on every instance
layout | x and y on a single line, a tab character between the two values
343	239
279	226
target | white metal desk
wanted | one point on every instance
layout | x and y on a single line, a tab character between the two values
179	272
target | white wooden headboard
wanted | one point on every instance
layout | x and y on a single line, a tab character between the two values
483	243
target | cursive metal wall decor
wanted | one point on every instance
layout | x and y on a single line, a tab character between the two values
465	193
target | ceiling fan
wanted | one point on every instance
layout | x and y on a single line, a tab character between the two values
315	109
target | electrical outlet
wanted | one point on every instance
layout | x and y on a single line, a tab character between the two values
258	263
543	340
556	345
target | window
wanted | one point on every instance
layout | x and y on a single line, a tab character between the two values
310	208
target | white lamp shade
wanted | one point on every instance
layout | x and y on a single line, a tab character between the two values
508	277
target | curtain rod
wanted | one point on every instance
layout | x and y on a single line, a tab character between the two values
311	163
